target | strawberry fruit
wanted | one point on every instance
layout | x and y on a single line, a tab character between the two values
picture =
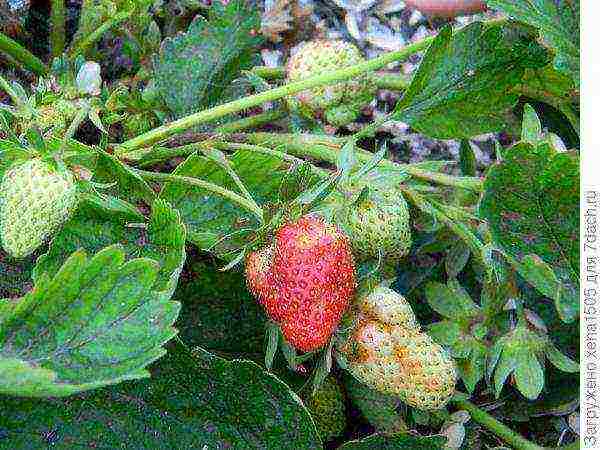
305	282
35	200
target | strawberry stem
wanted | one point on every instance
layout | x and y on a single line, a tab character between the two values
209	115
239	200
21	55
85	44
498	428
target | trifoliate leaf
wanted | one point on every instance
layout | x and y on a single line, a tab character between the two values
558	21
193	69
463	86
193	400
96	322
531	202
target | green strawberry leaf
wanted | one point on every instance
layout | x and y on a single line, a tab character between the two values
531	202
472	369
456	259
540	275
194	69
463	86
559	360
219	314
381	410
529	375
450	300
214	223
558	21
93	227
96	322
532	127
445	332
193	400
396	442
128	184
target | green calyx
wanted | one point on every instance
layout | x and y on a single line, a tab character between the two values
338	104
35	200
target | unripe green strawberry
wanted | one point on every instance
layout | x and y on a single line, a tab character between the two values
388	307
404	362
35	200
339	103
328	409
378	224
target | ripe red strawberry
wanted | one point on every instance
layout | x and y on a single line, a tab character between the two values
307	284
259	278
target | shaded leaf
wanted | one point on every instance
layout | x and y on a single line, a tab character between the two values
193	400
558	21
380	410
219	314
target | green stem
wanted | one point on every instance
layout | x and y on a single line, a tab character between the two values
392	81
269	73
326	148
459	228
85	44
251	122
23	56
496	427
57	27
177	126
225	193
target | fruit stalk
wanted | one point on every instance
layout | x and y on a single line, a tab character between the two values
225	193
498	428
21	55
178	126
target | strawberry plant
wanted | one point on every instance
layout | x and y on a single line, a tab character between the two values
201	251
